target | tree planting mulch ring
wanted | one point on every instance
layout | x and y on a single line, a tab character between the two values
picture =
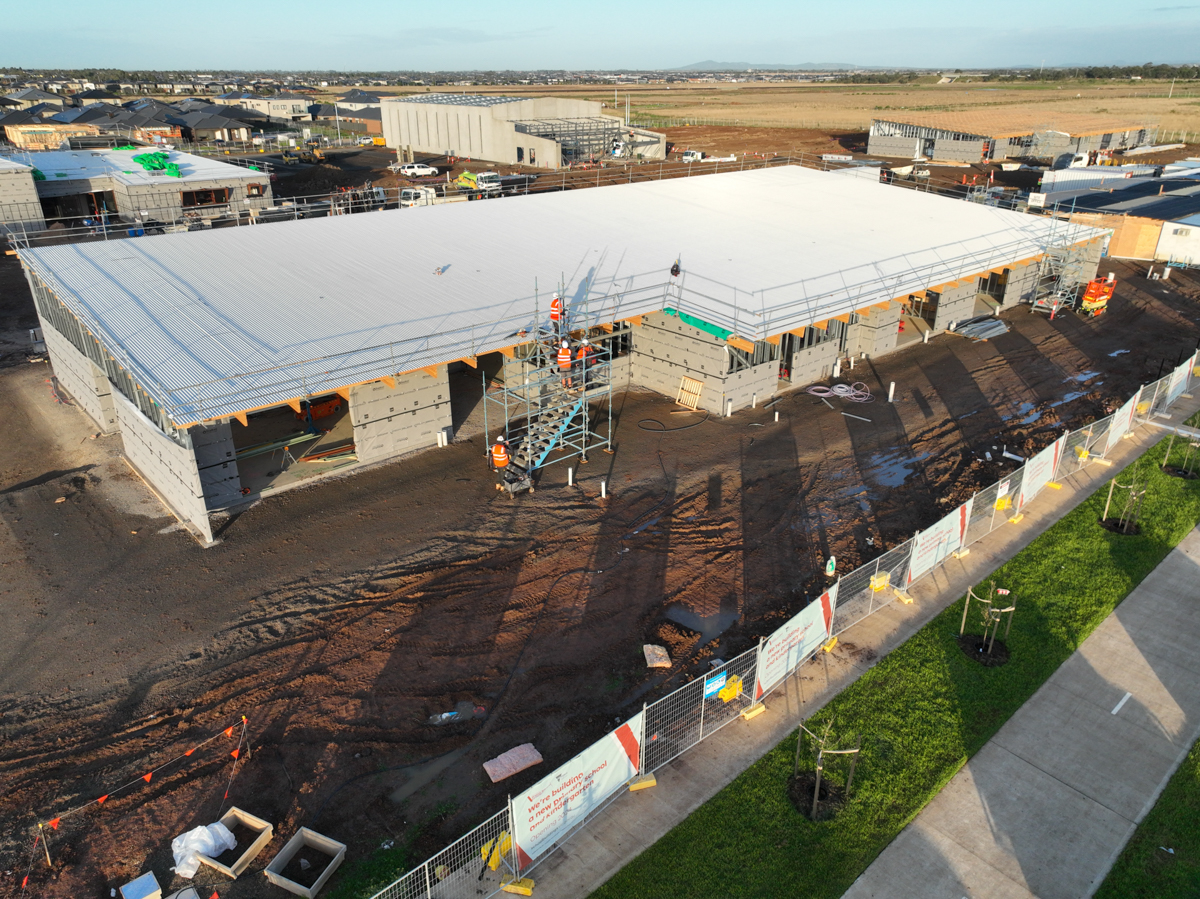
1114	526
800	792
974	647
1180	473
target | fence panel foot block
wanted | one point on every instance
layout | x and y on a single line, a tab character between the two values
522	886
642	782
753	712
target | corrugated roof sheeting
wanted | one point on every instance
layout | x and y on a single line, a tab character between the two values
1012	121
213	323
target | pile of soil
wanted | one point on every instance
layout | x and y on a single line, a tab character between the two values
830	799
1116	526
975	648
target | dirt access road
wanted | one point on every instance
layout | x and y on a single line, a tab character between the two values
338	618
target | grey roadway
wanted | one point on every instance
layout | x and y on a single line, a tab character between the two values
1045	807
996	843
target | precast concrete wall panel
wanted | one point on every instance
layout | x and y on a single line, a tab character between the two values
958	150
216	459
955	304
745	387
388	422
1021	286
875	333
20	207
906	147
88	385
815	363
168	467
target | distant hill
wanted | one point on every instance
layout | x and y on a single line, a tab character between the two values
710	66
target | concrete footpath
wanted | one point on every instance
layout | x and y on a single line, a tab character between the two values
636	821
1047	805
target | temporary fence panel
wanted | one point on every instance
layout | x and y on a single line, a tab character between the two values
932	545
469	868
1154	400
1179	380
1039	471
547	811
1122	422
868	589
793	643
979	521
727	693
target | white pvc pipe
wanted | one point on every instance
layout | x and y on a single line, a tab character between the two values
570	477
754	401
891	391
729	408
837	369
777	415
926	338
603	488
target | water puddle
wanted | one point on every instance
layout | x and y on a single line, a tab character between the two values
709	627
892	469
1118	352
1082	376
1030	416
1073	395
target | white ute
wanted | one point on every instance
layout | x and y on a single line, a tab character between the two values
414	170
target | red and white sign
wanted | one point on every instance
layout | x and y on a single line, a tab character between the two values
1122	422
794	642
562	799
1039	471
934	544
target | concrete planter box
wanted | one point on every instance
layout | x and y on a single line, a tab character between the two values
263	833
305	839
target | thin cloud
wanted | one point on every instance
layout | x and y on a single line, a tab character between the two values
465	35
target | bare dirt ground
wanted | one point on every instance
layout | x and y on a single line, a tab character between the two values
340	617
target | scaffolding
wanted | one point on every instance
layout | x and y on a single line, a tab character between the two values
545	414
1061	273
582	140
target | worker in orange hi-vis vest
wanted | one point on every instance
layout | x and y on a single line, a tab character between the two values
556	313
564	363
585	360
500	459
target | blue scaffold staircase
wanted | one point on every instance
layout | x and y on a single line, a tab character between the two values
547	432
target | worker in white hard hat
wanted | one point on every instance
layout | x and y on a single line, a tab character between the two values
564	363
585	360
500	459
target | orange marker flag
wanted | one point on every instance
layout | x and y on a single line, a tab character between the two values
146	777
235	753
54	823
190	751
214	895
25	882
102	798
229	731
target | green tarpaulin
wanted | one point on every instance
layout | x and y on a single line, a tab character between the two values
704	326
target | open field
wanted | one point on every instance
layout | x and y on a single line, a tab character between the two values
921	713
852	106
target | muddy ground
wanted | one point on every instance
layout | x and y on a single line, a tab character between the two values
340	617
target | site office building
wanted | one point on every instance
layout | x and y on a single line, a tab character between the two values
779	269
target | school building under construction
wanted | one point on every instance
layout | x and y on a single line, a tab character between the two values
240	362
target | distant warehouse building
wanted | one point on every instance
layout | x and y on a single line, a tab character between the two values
992	135
67	186
213	353
545	132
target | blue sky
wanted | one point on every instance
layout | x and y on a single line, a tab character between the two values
472	34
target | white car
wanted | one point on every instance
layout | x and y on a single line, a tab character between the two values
417	170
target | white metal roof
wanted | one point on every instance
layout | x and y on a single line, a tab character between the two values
212	323
62	165
12	165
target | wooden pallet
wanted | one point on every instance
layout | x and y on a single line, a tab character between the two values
689	392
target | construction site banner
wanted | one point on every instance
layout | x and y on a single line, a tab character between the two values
785	649
932	545
1179	379
1122	422
1039	471
547	811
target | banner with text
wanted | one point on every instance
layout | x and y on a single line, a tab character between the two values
1179	379
932	545
794	642
1122	422
559	801
1039	471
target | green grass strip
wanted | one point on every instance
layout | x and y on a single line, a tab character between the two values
922	712
1145	869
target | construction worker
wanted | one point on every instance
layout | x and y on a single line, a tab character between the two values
556	313
500	459
564	363
585	360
